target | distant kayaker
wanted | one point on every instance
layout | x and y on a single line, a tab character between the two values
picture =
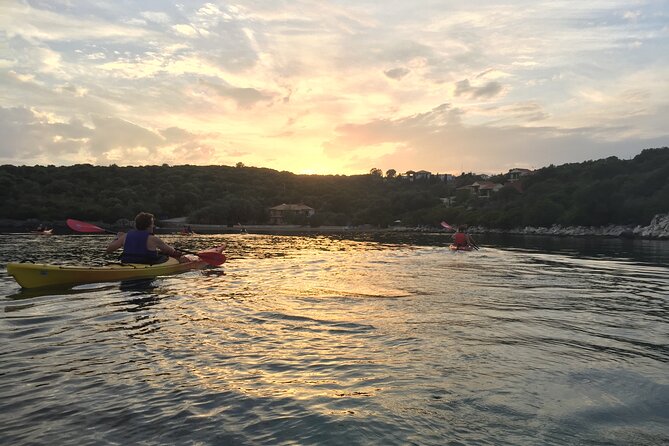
140	245
461	239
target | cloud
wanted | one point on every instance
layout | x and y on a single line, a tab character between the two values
397	73
440	141
185	30
176	135
399	131
244	97
114	133
157	16
28	136
632	16
35	138
522	112
193	153
488	90
56	22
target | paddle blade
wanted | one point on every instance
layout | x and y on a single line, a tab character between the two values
447	226
212	258
82	226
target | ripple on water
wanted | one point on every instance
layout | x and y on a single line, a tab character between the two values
323	340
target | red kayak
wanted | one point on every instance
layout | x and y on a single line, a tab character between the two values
461	248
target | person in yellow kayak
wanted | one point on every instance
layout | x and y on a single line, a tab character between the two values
463	240
140	245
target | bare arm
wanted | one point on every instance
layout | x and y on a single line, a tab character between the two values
117	243
156	243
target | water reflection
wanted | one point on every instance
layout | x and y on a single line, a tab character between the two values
328	340
23	293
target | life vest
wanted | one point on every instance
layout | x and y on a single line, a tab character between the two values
135	250
460	239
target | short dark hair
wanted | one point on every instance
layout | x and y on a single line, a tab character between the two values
143	221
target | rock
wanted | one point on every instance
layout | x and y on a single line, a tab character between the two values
658	228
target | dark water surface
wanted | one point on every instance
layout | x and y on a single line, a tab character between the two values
386	339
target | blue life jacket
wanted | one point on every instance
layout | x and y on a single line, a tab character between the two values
135	251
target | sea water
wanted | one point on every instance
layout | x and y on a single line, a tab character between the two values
384	339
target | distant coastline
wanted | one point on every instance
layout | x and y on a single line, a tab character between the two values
657	229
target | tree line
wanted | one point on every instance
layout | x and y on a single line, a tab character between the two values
605	191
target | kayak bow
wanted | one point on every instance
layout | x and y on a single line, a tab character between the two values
461	248
44	232
40	275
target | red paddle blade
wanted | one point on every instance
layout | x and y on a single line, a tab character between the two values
212	258
82	226
447	226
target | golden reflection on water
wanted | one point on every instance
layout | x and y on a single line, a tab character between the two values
291	320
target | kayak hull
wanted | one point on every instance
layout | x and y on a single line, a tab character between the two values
40	275
460	248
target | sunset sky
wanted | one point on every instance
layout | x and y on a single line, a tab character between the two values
332	86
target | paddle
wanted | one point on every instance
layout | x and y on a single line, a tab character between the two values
447	226
82	226
210	257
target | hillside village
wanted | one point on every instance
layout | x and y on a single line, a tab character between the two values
484	189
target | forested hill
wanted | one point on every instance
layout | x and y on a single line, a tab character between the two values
591	193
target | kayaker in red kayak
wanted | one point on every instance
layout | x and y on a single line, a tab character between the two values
461	239
141	246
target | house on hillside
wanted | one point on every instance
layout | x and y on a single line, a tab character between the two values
413	175
486	188
515	174
483	189
423	175
445	177
448	201
284	213
469	188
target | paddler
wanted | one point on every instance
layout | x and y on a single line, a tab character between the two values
461	239
141	246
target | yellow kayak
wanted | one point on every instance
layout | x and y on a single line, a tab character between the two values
40	275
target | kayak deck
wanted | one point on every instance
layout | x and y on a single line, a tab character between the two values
40	275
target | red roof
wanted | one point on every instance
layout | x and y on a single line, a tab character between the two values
488	185
516	185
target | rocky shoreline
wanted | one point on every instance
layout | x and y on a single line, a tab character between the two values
657	229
